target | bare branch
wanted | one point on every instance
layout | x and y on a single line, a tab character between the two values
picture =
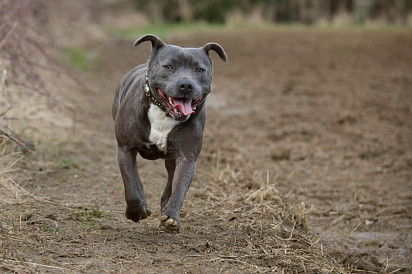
17	141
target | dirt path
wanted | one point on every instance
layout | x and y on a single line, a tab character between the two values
308	152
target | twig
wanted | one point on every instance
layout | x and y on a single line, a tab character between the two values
227	256
24	147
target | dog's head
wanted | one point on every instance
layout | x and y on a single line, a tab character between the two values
180	78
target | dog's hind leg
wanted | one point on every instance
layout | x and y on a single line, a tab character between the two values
136	208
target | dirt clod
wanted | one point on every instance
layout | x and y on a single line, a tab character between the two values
280	153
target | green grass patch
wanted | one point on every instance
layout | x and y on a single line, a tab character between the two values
89	219
49	229
67	163
70	163
81	59
349	27
164	30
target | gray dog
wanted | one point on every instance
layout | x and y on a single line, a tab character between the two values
159	112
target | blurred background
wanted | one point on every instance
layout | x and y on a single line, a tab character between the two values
277	11
311	172
39	37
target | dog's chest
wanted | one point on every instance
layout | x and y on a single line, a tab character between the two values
161	125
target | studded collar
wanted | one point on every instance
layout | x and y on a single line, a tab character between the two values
148	92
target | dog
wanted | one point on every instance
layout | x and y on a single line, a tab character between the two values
159	112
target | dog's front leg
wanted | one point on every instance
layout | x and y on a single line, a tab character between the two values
136	208
170	165
183	176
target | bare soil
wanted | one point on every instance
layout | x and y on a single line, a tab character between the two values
306	166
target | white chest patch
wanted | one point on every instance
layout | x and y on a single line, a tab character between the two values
160	127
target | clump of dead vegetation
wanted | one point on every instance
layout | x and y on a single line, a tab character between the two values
279	238
10	192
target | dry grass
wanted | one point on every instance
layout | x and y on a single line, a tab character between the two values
10	192
277	237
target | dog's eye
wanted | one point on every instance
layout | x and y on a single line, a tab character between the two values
168	67
200	70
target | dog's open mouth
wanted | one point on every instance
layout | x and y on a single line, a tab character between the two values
179	108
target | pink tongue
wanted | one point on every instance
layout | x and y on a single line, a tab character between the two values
184	105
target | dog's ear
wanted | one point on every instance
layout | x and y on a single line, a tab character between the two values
216	47
157	43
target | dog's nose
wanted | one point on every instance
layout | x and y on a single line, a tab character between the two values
185	86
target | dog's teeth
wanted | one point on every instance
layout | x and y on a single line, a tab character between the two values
170	100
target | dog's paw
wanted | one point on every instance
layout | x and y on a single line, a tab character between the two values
136	213
169	224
